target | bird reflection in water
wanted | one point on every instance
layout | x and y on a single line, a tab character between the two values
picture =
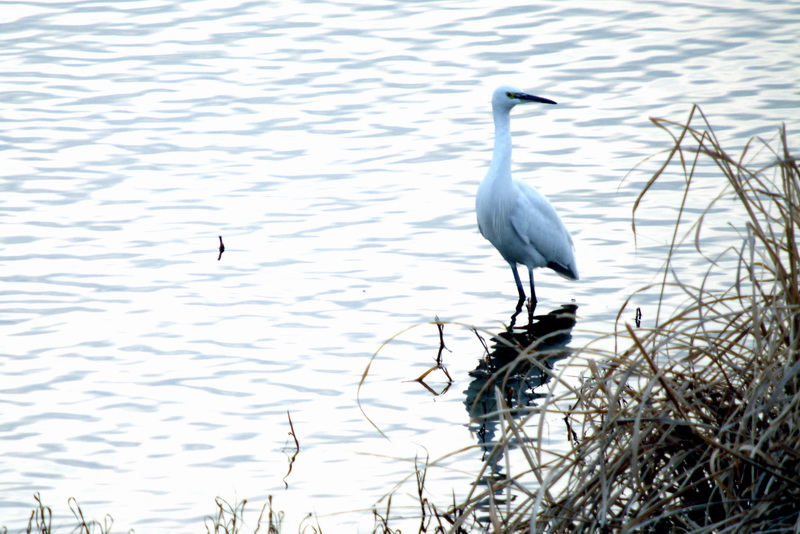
512	369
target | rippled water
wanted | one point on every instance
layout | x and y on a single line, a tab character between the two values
336	147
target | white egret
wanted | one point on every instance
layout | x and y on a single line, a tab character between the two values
518	220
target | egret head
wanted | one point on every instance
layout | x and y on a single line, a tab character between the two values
508	96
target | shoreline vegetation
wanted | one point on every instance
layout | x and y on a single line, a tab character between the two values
692	426
695	427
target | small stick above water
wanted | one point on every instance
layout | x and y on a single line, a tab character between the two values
296	450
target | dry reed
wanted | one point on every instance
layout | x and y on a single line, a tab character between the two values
696	427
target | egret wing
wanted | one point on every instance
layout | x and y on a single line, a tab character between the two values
538	225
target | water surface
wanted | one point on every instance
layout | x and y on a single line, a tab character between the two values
336	148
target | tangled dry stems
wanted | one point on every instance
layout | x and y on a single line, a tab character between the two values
696	427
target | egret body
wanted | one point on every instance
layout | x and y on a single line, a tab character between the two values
518	220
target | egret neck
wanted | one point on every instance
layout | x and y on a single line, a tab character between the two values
500	166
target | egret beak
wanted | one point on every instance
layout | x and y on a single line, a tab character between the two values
525	97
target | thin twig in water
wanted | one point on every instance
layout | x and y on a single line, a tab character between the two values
439	364
296	451
480	338
440	327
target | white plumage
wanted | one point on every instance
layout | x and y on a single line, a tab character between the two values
518	220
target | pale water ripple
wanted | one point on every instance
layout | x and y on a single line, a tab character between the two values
337	148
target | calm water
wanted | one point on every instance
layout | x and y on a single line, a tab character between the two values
337	148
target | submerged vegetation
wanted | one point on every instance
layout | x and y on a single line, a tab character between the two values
692	425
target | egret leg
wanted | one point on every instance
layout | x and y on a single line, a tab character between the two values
518	281
533	291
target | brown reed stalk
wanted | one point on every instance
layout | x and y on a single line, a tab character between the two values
696	426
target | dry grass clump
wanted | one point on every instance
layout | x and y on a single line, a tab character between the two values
229	518
696	427
41	520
